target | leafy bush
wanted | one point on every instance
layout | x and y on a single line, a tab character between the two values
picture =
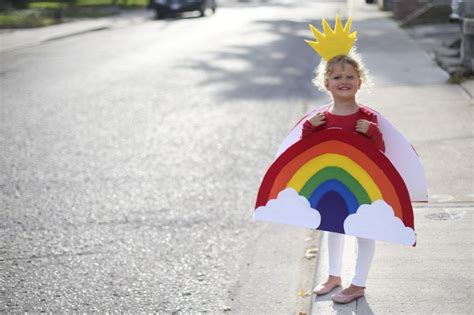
47	5
26	18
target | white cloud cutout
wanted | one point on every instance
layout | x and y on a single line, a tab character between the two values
378	222
289	208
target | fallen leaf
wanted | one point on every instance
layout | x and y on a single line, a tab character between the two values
302	293
311	253
313	250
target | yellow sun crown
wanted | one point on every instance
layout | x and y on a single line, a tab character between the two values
332	43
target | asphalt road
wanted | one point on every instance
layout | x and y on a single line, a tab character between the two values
131	160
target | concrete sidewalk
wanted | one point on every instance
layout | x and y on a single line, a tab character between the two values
13	39
436	276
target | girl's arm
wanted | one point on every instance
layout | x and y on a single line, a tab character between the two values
371	129
375	135
313	125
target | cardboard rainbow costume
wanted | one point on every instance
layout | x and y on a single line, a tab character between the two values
339	181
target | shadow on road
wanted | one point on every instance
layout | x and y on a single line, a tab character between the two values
282	67
275	67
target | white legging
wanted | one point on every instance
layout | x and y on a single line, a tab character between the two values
365	254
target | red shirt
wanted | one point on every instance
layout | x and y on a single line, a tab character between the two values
348	123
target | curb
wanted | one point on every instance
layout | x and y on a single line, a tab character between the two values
316	276
468	87
31	43
100	28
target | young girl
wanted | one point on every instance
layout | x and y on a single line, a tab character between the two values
342	77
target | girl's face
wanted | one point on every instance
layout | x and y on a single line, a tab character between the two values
343	82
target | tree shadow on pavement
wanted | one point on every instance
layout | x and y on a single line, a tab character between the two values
281	64
275	65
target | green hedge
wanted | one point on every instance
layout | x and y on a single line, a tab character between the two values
26	18
46	5
42	13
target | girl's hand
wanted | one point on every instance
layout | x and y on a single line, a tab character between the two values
362	126
318	120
